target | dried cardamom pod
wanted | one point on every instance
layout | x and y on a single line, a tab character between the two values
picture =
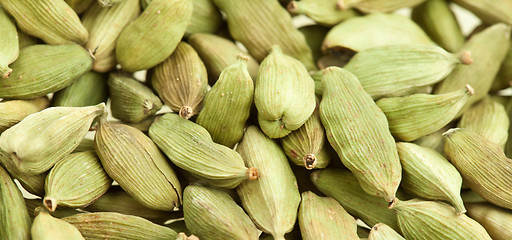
494	219
109	3
284	94
377	6
436	221
135	162
16	110
414	116
132	101
140	44
181	81
34	184
33	204
43	69
25	40
80	5
490	11
427	174
482	164
14	218
53	21
89	89
212	214
327	13
487	118
381	231
314	35
47	227
504	77
85	145
259	36
44	138
325	218
271	200
206	18
358	130
9	49
190	147
120	227
104	26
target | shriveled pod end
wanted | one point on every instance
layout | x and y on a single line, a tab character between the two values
465	58
243	57
148	105
450	131
392	204
7	72
340	5
186	112
50	203
470	90
252	173
310	161
292	7
91	53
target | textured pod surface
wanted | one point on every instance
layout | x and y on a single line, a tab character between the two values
358	131
120	227
43	138
135	162
273	199
315	35
325	218
181	81
377	6
26	40
399	70
427	174
191	148
228	104
261	24
489	119
89	89
494	219
47	227
33	204
439	22
139	45
131	100
104	25
374	30
488	49
79	5
504	77
482	164
323	12
75	181
381	231
218	53
417	115
212	214
284	94
34	184
9	46
490	11
14	219
16	110
436	220
43	69
53	21
206	18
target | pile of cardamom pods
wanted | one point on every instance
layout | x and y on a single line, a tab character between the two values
226	119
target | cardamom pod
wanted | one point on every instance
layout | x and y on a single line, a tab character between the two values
377	6
33	184
109	3
47	227
434	140
271	200
14	218
490	11
9	49
25	40
80	6
206	18
89	89
44	138
16	110
33	204
85	145
494	219
327	13
181	81
504	77
381	231
315	35
358	130
284	94
190	147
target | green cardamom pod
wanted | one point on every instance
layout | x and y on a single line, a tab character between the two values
504	77
9	49
358	130
327	13
494	219
14	218
206	18
25	40
80	6
190	147
46	227
490	11
508	147
34	184
89	89
109	3
16	110
33	204
315	35
381	231
85	145
377	6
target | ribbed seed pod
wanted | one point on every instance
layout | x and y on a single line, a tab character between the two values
434	140
93	226
89	89
181	81
75	181
212	214
85	145
218	53
273	27
44	138
206	18
504	77
190	147
43	69
80	5
490	11
273	199
228	104
508	147
344	187
140	44
33	204
307	146
134	161
494	219
53	21
284	94
327	13
381	231
427	174
34	184
47	227
358	131
25	40
14	218
482	164
104	25
488	49
132	101
431	220
109	3
487	118
377	6
9	49
399	70
16	110
414	116
374	30
145	124
315	35
440	24
325	218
